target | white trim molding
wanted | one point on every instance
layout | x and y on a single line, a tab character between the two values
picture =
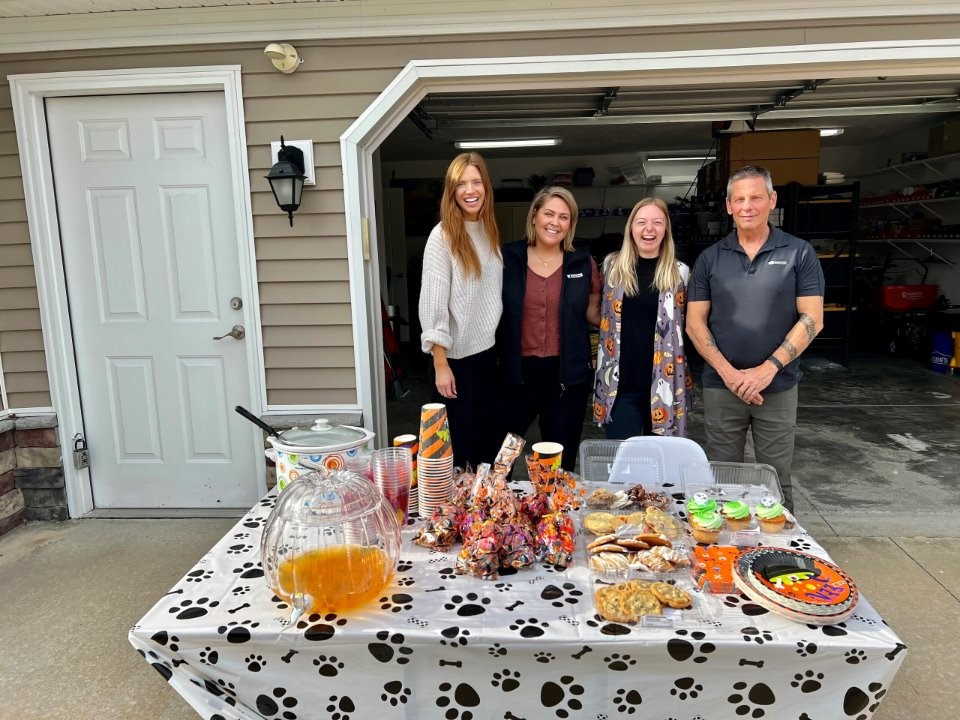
895	58
28	93
4	405
142	26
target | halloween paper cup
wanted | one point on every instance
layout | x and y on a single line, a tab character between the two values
548	456
411	443
434	432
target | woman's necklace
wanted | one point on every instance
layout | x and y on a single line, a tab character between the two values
547	263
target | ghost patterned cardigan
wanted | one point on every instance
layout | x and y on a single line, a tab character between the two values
671	390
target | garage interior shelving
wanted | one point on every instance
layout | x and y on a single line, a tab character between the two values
893	218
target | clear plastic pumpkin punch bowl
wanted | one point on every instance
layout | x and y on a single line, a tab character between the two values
331	543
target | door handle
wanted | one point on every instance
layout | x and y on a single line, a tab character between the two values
237	333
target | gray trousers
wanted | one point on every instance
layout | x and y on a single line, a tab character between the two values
773	424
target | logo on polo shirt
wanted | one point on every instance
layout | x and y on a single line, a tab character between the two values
575	275
777	262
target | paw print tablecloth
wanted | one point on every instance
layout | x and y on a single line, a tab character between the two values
529	646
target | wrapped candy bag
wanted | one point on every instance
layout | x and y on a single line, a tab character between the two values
480	554
554	539
516	545
535	506
442	529
462	487
509	451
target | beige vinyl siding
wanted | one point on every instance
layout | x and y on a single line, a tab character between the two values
21	342
308	332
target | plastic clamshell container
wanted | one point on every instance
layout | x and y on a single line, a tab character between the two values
635	567
633	465
704	608
630	461
747	482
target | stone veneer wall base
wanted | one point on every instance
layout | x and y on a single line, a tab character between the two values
31	472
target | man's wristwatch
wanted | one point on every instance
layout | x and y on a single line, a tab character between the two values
776	361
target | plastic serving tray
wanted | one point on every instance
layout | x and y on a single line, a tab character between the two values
636	464
704	609
748	482
682	545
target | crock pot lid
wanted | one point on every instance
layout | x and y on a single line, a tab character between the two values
323	434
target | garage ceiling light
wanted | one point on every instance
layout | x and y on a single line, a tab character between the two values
830	132
679	158
487	144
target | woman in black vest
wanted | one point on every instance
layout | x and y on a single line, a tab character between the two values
551	291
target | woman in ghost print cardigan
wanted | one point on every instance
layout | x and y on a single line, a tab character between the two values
642	383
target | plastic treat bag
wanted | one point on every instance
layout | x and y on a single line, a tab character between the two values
442	530
535	506
503	503
564	494
509	451
554	539
480	554
462	487
516	545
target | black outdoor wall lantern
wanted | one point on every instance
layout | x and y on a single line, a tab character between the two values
286	179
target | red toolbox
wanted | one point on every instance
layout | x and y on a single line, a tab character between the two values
908	297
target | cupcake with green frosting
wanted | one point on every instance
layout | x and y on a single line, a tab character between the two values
737	515
706	526
700	503
771	515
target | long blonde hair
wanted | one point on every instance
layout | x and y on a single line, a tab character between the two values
621	266
541	199
451	216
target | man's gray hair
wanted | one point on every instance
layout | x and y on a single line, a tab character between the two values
751	171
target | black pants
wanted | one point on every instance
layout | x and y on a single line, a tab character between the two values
560	410
630	415
472	415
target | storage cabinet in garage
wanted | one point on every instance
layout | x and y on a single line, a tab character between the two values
827	216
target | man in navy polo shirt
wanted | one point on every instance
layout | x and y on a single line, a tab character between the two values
755	304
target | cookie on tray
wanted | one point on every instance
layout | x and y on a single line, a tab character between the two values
671	595
609	562
638	603
661	522
610	604
600	523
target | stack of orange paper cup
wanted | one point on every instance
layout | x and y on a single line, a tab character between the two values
434	459
410	442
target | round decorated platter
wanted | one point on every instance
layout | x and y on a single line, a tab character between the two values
796	584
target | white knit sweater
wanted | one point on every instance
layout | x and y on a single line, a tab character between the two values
460	312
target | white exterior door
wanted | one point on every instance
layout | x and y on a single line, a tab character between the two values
151	262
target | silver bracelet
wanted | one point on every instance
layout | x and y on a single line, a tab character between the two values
776	361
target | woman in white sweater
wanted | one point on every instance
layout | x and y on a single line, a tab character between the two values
460	305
